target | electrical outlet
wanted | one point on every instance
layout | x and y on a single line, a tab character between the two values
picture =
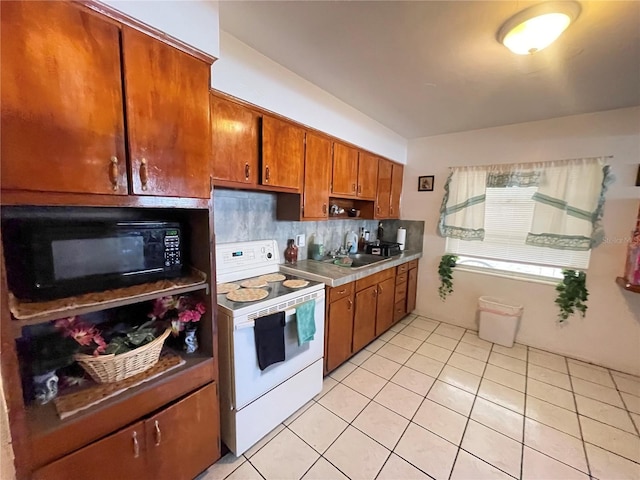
301	240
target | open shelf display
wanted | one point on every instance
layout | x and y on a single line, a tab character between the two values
627	286
32	313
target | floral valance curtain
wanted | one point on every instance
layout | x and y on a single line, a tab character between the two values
569	201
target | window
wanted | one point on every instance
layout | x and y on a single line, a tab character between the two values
527	219
507	221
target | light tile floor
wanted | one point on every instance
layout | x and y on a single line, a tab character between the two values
431	400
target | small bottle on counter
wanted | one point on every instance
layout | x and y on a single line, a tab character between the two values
380	231
361	244
291	252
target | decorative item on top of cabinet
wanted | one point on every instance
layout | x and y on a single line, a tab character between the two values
236	142
282	154
77	108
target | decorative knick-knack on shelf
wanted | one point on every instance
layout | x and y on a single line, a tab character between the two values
45	387
190	339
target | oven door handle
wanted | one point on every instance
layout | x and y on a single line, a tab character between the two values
288	313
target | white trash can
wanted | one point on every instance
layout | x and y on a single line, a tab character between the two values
499	320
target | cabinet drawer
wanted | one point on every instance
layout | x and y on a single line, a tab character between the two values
402	268
399	311
379	277
413	263
342	291
402	278
401	292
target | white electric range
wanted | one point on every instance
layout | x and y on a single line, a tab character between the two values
253	401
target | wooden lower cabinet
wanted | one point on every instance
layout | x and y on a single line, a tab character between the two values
177	443
364	320
360	311
339	330
385	303
412	286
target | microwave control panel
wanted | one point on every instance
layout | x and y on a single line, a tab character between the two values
172	248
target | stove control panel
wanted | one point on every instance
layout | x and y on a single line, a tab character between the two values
245	258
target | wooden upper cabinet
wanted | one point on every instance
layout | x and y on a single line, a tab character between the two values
235	141
282	154
345	170
396	190
62	122
317	176
367	176
167	104
383	195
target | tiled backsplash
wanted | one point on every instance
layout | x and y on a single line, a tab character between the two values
244	215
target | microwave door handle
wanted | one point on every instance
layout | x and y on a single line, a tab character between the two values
250	324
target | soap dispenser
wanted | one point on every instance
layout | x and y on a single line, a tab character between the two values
351	242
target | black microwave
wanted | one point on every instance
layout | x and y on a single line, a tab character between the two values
47	260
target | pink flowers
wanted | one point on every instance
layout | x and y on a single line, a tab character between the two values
177	310
83	333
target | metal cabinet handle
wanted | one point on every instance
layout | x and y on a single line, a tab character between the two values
378	208
390	208
158	433
350	304
266	173
247	171
359	188
353	187
380	289
113	172
324	208
144	174
342	292
136	446
375	292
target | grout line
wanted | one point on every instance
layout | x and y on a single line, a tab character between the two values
524	413
575	404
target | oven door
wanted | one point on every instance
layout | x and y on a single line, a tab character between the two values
249	381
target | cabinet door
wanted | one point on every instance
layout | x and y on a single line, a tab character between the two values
167	104
235	141
383	195
282	154
412	289
367	176
62	121
121	455
317	176
364	320
339	332
396	189
345	170
386	298
183	440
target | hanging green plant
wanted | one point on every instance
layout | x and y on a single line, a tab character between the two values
445	271
572	294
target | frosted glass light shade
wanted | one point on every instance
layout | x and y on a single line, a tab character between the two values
537	27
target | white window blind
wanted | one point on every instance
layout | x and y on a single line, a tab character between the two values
508	218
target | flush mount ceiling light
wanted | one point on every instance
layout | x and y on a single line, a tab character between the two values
537	27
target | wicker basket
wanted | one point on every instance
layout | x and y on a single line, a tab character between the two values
112	368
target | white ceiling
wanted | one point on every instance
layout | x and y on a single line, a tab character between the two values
429	67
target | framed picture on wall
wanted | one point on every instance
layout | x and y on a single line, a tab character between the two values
425	183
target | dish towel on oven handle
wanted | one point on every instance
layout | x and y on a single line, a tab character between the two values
305	321
269	336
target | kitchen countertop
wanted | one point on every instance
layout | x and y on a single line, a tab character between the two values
335	275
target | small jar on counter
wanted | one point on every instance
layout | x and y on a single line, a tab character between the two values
291	252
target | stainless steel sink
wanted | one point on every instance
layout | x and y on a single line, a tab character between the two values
359	260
